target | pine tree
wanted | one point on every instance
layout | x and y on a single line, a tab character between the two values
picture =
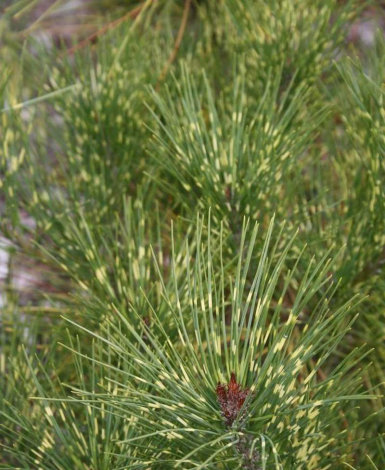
198	191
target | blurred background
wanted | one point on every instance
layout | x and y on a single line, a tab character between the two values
66	26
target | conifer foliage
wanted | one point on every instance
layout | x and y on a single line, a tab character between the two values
195	194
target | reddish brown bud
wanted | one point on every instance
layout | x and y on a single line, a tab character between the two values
231	398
